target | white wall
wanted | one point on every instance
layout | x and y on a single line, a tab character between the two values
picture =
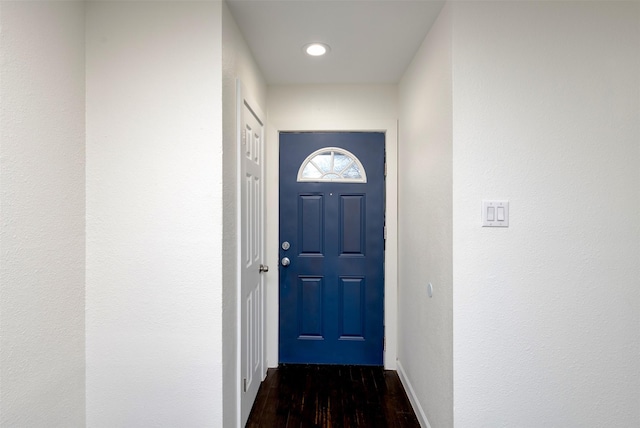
154	217
237	63
42	204
546	102
331	108
425	343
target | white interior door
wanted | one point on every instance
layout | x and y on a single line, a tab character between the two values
251	257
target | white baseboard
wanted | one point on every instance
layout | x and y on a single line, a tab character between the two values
417	408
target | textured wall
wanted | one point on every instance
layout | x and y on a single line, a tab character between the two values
237	62
546	100
425	351
42	203
154	217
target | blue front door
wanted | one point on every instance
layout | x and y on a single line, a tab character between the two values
331	248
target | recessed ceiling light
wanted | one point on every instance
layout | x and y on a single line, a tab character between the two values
316	49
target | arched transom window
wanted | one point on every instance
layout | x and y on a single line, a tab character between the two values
332	164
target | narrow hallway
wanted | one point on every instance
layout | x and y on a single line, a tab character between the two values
331	396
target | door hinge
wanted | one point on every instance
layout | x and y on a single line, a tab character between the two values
244	385
384	343
244	137
385	233
385	169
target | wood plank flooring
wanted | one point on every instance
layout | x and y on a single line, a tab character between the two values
304	396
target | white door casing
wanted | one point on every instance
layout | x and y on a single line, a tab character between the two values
251	330
316	124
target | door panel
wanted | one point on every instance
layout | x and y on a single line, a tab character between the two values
310	316
352	218
332	292
311	224
352	308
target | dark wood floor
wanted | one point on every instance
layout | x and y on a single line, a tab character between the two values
303	396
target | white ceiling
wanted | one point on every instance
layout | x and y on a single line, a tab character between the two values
372	41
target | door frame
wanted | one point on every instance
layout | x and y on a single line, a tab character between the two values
272	150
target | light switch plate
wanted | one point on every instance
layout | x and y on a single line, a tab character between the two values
495	213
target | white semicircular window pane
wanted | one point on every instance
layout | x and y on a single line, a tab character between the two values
332	164
341	162
323	161
352	172
311	171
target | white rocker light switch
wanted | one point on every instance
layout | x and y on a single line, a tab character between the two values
495	213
